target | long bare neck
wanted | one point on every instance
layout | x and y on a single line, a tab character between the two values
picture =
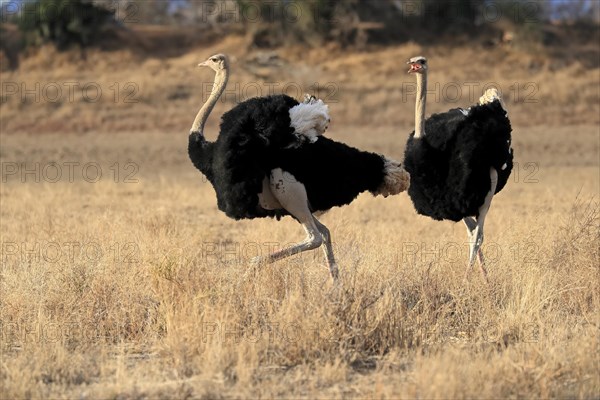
221	78
420	108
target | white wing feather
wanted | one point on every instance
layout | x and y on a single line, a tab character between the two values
310	119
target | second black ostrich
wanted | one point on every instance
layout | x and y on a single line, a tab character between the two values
269	160
458	160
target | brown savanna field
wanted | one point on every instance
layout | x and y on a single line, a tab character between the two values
121	279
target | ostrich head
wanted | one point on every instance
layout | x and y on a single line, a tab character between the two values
218	62
417	65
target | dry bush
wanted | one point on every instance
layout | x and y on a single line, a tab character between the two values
369	89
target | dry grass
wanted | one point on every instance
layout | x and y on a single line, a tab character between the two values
142	290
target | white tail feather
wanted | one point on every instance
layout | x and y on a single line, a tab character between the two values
396	179
490	95
310	119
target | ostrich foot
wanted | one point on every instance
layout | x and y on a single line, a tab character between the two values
475	233
335	272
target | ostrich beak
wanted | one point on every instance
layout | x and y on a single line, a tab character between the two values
414	67
202	64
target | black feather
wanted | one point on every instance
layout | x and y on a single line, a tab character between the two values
256	137
449	167
333	173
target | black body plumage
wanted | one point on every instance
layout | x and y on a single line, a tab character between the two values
450	166
256	137
333	173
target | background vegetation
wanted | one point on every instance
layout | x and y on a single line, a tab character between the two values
119	278
62	22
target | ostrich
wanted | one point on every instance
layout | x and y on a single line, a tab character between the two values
270	160
458	160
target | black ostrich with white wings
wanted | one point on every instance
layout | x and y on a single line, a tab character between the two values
458	160
269	160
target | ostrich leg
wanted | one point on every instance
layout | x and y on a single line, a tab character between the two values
471	224
328	249
475	230
292	196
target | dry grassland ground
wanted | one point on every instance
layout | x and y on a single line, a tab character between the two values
121	279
